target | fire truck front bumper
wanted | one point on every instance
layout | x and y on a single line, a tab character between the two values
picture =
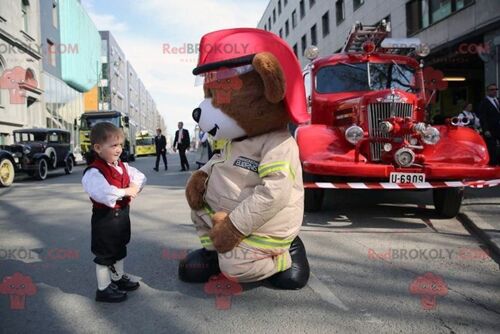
435	171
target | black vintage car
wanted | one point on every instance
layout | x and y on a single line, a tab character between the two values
36	151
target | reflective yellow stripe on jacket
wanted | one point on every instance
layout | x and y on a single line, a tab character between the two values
276	166
206	241
281	262
256	241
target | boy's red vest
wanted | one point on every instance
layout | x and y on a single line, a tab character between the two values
114	178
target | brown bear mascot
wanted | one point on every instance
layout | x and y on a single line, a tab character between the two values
247	202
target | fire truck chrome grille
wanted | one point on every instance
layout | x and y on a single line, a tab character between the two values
378	112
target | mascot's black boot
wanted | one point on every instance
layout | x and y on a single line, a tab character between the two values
198	266
297	275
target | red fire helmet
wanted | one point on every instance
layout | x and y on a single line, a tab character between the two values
237	47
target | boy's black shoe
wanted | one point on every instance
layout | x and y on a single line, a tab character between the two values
297	275
111	294
125	284
155	169
198	266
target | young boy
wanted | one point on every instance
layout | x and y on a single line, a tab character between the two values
111	184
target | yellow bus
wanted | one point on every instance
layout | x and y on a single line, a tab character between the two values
145	144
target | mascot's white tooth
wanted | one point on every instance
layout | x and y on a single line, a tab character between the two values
252	191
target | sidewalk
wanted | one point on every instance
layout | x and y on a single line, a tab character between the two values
481	214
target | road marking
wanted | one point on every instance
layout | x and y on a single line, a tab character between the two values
325	293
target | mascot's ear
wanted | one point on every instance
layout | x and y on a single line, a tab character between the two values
271	74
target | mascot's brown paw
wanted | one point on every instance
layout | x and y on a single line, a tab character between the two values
195	189
223	234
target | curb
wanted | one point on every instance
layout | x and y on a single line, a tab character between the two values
492	242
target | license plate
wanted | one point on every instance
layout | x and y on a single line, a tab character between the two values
407	178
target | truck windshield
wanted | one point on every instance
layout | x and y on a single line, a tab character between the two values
344	77
145	141
87	123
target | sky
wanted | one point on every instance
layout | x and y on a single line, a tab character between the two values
143	28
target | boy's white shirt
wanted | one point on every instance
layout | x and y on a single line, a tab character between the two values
101	191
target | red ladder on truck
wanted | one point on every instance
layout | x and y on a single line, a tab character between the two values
360	34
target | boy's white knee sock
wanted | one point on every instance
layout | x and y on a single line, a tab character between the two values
119	271
103	279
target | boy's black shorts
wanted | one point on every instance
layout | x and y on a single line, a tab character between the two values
110	234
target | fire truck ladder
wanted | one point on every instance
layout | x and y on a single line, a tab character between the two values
360	34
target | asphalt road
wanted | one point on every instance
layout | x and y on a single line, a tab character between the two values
366	248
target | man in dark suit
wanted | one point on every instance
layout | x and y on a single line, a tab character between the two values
182	143
489	115
161	149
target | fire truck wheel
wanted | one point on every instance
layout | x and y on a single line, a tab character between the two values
447	201
313	198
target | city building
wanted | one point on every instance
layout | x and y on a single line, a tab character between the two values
71	58
113	92
20	67
463	36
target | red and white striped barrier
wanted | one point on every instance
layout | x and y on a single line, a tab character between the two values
402	186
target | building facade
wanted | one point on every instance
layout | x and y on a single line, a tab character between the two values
114	84
463	35
121	89
20	67
63	86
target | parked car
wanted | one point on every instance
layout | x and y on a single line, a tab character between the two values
36	151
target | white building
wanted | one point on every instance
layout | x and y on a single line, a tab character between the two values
20	67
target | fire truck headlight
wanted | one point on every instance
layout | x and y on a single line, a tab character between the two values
387	147
404	157
354	134
431	136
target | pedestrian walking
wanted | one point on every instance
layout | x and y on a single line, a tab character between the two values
182	143
161	150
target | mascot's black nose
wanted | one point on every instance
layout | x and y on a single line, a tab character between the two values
197	114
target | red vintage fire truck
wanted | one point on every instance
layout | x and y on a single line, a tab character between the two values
368	131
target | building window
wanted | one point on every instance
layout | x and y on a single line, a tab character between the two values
287	28
325	23
279	7
357	3
420	14
304	44
286	2
281	33
269	23
294	19
439	9
314	36
340	9
295	51
302	9
265	27
25	8
51	53
312	3
54	14
274	15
